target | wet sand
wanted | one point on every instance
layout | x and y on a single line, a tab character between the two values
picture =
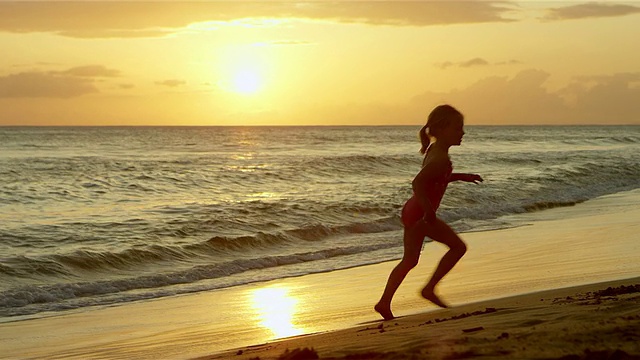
597	321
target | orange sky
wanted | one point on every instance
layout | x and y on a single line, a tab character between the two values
318	63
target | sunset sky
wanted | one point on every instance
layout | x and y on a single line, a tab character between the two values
318	62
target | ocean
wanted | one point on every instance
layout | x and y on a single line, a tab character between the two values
100	216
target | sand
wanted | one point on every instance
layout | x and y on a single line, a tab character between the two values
529	292
597	321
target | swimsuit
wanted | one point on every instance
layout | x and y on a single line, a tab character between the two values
412	211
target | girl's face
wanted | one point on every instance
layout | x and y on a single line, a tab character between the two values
453	133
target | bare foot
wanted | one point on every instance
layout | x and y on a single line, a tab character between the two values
385	311
431	296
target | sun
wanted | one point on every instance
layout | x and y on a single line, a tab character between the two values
243	79
246	81
244	70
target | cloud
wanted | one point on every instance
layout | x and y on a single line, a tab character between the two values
501	100
43	84
620	77
474	62
171	83
146	19
469	63
509	62
524	99
590	10
73	82
407	13
607	98
91	71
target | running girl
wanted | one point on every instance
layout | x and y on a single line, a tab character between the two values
445	125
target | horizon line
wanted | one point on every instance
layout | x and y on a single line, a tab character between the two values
332	125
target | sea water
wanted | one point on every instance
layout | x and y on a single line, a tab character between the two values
96	216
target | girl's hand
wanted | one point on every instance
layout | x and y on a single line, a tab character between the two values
474	178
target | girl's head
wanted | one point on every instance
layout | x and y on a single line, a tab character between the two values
444	122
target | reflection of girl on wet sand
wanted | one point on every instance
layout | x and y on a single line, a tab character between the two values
445	124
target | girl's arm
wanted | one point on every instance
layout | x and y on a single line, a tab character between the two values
474	178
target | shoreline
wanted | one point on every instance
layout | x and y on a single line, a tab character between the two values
516	327
594	242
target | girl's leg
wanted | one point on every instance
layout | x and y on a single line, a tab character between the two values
441	232
412	239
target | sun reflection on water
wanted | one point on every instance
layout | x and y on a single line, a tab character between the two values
276	309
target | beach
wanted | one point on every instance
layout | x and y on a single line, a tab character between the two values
232	179
596	321
538	290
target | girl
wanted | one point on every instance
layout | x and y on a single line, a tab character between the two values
445	124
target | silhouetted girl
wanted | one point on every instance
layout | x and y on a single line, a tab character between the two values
445	125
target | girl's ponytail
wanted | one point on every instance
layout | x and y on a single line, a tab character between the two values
424	139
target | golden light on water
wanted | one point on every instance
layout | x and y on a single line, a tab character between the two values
276	311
